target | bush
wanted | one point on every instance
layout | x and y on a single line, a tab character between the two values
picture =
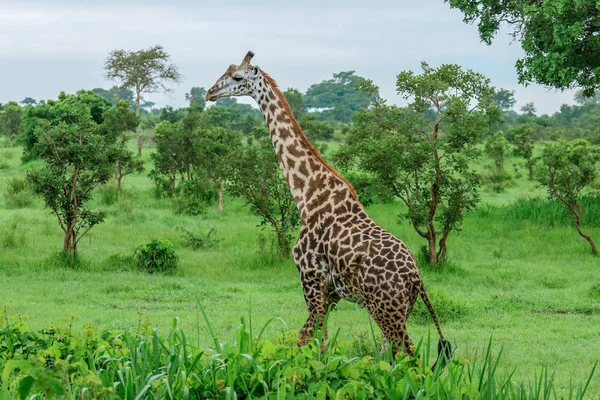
199	242
194	196
18	193
109	194
157	256
551	212
498	180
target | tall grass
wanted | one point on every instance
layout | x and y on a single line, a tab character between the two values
141	363
546	212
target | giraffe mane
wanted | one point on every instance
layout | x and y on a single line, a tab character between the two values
303	137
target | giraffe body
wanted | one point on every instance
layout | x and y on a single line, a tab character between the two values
341	253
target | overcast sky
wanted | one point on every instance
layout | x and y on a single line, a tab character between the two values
52	46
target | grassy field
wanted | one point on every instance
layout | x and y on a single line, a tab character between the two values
533	288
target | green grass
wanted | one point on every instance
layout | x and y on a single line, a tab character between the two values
531	286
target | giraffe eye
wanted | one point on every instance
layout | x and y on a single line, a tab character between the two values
237	78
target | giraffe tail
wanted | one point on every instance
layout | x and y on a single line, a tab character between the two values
444	346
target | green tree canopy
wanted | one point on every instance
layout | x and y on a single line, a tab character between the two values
565	169
560	38
56	111
338	97
424	159
196	97
11	115
143	71
294	99
77	159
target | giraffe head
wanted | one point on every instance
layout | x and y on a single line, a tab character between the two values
238	80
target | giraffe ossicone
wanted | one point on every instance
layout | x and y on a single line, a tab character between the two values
341	253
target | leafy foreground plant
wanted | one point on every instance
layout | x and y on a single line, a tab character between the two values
61	363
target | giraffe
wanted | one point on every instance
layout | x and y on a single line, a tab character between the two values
341	253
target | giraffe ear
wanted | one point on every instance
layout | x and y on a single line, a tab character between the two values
255	71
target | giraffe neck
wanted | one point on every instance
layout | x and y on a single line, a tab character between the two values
314	184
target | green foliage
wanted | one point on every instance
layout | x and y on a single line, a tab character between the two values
194	196
18	193
13	234
64	110
523	141
59	361
504	99
196	97
294	99
158	256
559	37
339	97
77	160
255	176
566	168
423	159
114	94
143	71
199	241
315	129
369	188
497	147
118	122
10	119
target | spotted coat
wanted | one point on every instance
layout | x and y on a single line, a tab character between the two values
341	253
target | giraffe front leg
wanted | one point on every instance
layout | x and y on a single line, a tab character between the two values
318	302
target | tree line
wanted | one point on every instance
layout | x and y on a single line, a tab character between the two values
421	154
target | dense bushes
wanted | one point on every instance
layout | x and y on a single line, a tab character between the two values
157	256
145	364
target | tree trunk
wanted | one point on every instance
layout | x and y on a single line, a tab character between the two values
585	235
137	128
433	256
220	193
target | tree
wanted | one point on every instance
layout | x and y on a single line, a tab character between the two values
196	97
77	160
497	147
559	37
315	129
504	99
256	177
215	149
529	109
114	94
294	99
565	169
424	161
523	141
143	71
118	122
338	97
10	119
28	101
57	111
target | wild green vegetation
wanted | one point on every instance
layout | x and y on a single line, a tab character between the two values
184	288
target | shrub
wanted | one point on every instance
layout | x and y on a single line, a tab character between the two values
18	193
194	196
109	194
157	256
199	242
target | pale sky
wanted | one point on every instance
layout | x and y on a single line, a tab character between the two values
52	46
